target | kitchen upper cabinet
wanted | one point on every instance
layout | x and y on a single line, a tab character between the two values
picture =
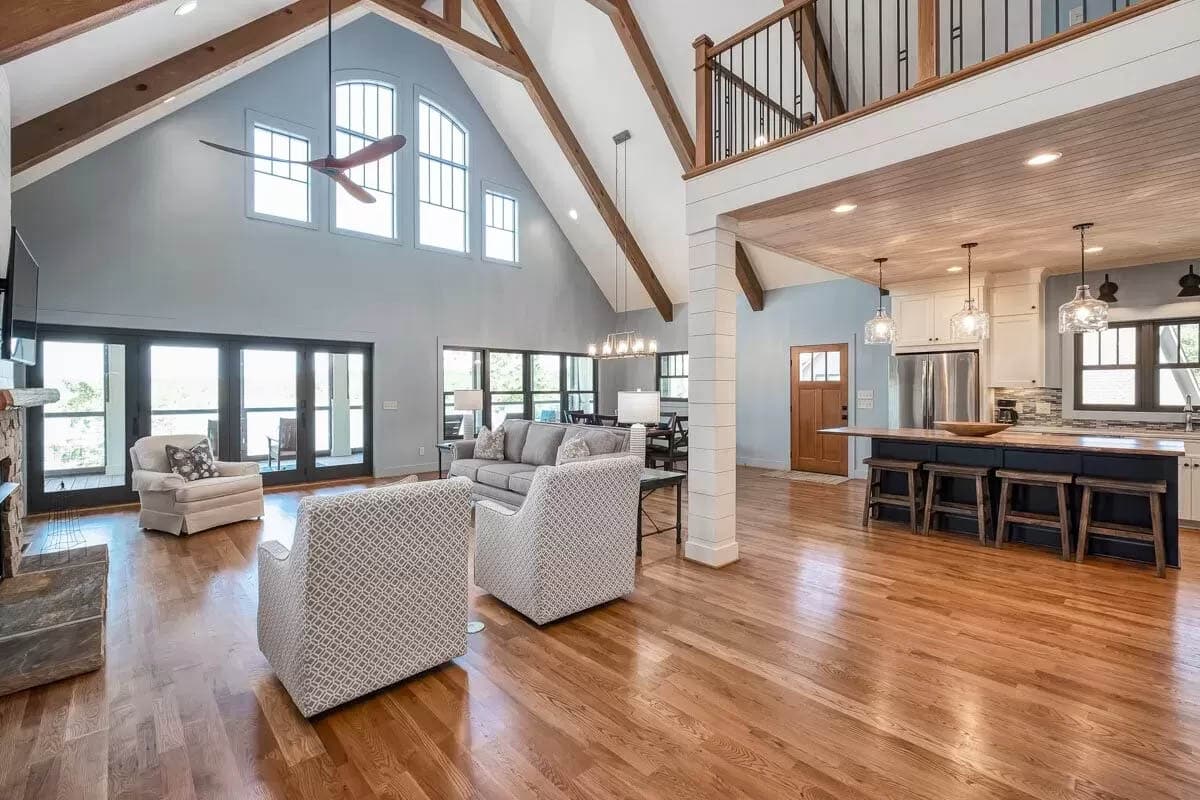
1013	300
923	320
1017	345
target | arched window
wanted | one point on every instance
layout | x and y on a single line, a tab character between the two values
365	113
441	179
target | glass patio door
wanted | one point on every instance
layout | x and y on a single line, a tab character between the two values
338	433
269	417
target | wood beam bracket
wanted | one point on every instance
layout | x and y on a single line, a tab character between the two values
744	268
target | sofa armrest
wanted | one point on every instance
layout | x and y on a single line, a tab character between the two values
232	468
146	481
464	448
274	549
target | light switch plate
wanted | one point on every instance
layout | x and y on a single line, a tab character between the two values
391	405
865	398
1075	16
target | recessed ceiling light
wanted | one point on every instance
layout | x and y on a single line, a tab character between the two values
1043	158
844	208
1093	249
573	214
170	99
186	8
953	269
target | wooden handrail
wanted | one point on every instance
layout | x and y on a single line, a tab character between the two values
745	33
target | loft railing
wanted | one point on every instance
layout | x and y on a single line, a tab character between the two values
814	61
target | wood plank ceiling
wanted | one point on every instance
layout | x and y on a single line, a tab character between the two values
1131	166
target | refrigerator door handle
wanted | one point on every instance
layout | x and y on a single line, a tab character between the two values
927	382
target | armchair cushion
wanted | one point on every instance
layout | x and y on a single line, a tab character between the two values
231	468
146	481
209	488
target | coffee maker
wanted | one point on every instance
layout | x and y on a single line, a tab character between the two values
1006	411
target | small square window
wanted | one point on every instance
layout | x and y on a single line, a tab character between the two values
280	189
499	227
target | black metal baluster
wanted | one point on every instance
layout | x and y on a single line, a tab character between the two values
1031	21
1056	13
862	47
846	42
983	30
879	26
1006	25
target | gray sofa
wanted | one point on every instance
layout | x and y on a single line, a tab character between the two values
527	446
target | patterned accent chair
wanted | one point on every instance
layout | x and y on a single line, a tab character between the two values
569	547
373	590
175	505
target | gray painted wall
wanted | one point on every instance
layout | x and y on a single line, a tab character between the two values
1146	292
819	313
151	233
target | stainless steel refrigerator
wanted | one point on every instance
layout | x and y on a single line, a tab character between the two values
923	387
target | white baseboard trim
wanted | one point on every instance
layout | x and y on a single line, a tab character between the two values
401	470
710	556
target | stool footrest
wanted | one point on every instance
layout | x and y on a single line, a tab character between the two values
900	500
1033	518
1135	532
959	509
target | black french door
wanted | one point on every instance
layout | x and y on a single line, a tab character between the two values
300	409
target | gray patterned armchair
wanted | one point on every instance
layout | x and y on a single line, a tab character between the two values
569	547
373	590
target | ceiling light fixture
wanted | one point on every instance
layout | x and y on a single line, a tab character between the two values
186	8
1082	313
881	328
1043	158
1108	290
1189	284
970	323
844	208
955	268
573	214
1096	248
170	99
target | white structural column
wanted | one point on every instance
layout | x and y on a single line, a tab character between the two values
712	433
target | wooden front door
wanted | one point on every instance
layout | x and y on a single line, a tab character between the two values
819	400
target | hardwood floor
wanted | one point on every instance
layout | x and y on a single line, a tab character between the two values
828	663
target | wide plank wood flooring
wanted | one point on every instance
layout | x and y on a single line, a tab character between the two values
828	663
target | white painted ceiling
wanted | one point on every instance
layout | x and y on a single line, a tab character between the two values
578	54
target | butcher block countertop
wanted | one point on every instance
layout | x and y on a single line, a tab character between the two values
1090	443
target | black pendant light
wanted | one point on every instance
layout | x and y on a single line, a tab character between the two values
1108	291
1189	284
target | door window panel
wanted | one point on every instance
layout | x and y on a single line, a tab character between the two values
83	445
185	388
270	421
338	400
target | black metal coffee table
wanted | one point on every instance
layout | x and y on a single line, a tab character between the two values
652	481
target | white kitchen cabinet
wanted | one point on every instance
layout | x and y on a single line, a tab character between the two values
1017	347
1015	300
923	320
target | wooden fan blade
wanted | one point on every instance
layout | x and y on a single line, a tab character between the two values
372	152
352	188
248	154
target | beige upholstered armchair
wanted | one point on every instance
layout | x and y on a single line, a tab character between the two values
178	506
373	590
571	545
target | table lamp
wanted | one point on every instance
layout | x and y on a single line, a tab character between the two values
468	400
637	408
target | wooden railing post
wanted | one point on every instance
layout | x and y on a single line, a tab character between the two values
704	102
928	31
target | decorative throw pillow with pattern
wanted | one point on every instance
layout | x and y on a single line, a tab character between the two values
194	463
572	450
490	445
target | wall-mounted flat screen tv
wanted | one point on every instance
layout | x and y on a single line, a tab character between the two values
20	286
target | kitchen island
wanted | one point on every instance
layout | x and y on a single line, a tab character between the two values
1097	456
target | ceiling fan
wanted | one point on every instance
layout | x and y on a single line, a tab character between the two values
334	167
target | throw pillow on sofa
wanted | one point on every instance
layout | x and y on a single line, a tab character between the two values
573	449
194	463
490	445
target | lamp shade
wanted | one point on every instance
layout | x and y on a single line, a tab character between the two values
633	407
468	399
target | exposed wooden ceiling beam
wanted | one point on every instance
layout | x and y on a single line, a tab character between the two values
30	25
747	278
411	15
646	67
495	18
69	125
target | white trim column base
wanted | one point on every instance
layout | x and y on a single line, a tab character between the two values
709	554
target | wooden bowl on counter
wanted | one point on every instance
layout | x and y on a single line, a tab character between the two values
974	429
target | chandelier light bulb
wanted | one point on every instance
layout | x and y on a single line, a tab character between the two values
639	345
622	347
653	346
591	350
607	349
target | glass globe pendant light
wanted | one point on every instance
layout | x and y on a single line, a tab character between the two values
881	328
1082	313
971	323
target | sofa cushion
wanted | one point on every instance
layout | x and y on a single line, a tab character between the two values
497	474
541	444
599	440
520	482
466	467
574	447
217	487
514	438
490	445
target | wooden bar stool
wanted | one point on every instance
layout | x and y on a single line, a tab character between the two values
875	496
1008	514
981	509
1153	491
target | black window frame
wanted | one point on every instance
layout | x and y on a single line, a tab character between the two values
527	393
659	375
1146	368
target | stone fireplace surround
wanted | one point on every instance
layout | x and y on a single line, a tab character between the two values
52	605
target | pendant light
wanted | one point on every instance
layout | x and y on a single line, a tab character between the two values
881	328
970	323
1083	313
1189	285
1108	291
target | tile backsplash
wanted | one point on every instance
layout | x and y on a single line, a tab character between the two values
1043	407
